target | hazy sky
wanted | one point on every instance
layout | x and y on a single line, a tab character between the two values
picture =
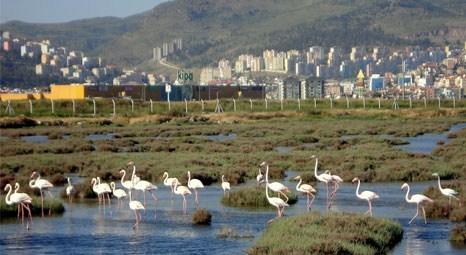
50	11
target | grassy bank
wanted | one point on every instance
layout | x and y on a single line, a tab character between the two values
441	209
10	211
329	234
253	197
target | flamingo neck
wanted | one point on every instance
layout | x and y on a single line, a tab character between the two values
315	168
223	178
439	186
16	187
7	198
165	180
32	183
357	189
133	174
69	182
407	194
123	176
189	177
299	183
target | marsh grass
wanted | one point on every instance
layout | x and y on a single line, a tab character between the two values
458	235
336	233
441	209
254	197
10	211
202	217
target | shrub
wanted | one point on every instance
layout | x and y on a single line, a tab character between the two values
458	234
202	217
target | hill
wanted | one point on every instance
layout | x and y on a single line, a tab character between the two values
212	29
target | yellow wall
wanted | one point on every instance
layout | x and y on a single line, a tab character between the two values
13	96
73	91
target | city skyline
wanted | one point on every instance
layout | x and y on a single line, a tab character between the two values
57	11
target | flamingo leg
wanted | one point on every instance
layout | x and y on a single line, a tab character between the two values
312	200
424	213
42	202
307	202
18	206
144	192
417	213
195	199
136	215
30	214
281	192
328	206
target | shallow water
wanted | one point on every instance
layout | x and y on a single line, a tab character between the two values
283	149
100	137
221	137
426	143
35	138
92	230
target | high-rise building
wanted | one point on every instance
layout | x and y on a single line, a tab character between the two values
157	54
313	87
224	69
164	49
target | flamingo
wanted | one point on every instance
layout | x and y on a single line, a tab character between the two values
69	190
324	178
305	189
276	186
20	208
97	190
126	184
169	181
182	191
446	192
105	189
275	201
259	177
118	193
225	186
41	184
336	180
419	200
194	184
136	206
22	199
365	195
141	185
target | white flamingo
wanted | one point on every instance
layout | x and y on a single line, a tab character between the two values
194	184
105	189
128	185
69	190
225	186
141	185
336	180
42	185
305	189
324	178
22	199
365	195
276	186
136	206
169	182
446	192
97	190
259	177
419	199
275	201
182	191
118	193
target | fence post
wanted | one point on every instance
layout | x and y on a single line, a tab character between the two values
30	106
425	102
315	103
379	102
53	106
364	102
202	105
439	102
281	104
114	107
151	105
410	102
186	105
331	103
299	104
95	110
132	105
454	102
266	106
74	106
250	103
234	105
347	102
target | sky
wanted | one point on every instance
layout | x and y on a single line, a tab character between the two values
53	11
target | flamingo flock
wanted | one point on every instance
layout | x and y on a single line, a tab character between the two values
135	184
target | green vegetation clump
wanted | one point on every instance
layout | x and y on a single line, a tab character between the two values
336	233
458	235
441	209
253	197
10	211
202	217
